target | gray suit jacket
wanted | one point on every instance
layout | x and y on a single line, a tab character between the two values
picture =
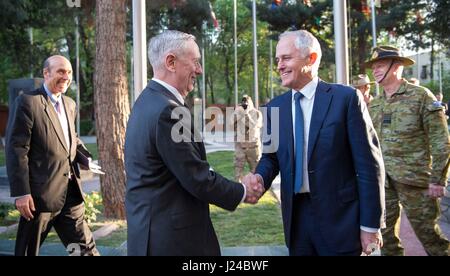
169	184
38	160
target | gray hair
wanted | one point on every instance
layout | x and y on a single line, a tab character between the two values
308	43
168	41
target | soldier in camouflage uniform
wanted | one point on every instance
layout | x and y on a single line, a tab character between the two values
414	139
247	126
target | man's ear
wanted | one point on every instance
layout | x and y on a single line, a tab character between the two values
45	72
170	62
312	58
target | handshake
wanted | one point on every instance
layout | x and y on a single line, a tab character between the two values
254	188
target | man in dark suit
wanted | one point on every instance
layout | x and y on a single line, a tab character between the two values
328	155
169	182
41	148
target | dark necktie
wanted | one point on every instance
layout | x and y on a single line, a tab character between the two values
299	141
58	107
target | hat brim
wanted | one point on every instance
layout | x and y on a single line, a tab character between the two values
359	84
405	61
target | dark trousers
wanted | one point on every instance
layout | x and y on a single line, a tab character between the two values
306	238
68	223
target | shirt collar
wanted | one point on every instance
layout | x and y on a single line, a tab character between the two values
308	90
52	96
172	90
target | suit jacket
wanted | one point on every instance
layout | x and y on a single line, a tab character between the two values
345	167
38	160
169	183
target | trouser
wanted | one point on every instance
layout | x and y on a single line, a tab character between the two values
68	223
250	154
422	212
306	237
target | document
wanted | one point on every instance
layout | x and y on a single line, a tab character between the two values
84	159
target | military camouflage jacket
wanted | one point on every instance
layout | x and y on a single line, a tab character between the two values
414	137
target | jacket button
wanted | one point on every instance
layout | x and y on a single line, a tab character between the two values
65	174
312	171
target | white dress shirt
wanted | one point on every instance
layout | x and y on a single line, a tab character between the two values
172	90
307	103
61	116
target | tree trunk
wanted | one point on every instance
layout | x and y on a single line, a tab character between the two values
111	102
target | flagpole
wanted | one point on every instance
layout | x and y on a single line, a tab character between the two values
341	41
255	57
235	54
374	38
139	48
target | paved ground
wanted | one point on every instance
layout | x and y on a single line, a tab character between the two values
90	183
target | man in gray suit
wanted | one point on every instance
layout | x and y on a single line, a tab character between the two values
41	149
169	182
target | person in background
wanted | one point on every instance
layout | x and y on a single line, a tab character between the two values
41	152
415	142
362	84
247	128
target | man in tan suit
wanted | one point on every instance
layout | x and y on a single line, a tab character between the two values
41	148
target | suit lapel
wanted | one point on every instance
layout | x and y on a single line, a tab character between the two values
51	113
158	88
286	126
70	119
322	102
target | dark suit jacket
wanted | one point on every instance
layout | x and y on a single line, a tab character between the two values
345	167
38	160
169	184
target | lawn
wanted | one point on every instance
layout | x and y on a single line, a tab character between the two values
258	224
2	157
249	225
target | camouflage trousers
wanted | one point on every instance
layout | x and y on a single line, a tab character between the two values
422	212
250	154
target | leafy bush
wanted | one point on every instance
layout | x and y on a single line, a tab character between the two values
92	203
8	214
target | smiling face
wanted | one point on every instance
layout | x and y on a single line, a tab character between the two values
381	68
294	65
187	68
58	75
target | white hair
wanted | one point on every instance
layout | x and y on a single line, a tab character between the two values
164	43
307	43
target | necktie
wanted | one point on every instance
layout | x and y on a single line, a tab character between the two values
58	107
299	141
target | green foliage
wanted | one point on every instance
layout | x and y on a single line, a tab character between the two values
8	214
86	127
434	86
92	203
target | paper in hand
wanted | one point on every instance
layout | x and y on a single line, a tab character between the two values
86	163
95	168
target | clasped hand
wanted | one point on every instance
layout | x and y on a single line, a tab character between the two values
254	188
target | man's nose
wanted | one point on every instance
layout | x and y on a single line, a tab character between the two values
199	70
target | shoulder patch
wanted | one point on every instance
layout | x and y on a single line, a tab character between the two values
435	106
